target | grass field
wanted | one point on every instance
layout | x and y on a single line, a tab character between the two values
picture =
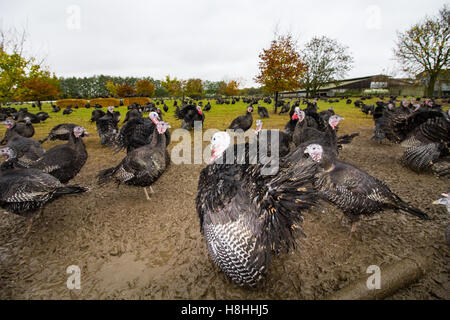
219	117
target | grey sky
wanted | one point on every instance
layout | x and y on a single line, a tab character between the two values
208	39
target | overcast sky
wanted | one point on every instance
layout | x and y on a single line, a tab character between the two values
208	39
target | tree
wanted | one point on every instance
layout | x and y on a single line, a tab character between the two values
222	88
194	88
15	66
232	88
112	88
326	60
280	66
173	86
145	88
424	48
124	90
39	88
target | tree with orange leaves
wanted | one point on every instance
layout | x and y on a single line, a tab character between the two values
39	88
124	90
145	88
280	66
232	88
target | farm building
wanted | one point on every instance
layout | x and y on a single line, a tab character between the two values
380	84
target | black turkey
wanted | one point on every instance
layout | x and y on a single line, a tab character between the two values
189	114
24	129
291	124
142	166
67	111
353	190
66	160
107	127
97	114
247	216
25	149
207	107
263	112
267	138
243	122
138	132
24	191
60	132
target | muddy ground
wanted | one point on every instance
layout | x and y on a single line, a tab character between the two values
131	248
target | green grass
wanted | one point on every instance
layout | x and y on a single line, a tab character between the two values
219	117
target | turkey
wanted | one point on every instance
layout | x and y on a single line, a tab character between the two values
380	122
291	124
25	149
67	111
263	112
189	114
165	107
353	190
243	122
325	135
265	139
285	108
107	126
23	191
66	160
42	116
425	134
131	114
247	216
138	132
24	129
60	132
207	107
97	114
142	166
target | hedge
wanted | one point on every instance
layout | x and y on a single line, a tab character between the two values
139	100
105	102
74	102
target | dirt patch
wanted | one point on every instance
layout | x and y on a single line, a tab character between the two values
128	247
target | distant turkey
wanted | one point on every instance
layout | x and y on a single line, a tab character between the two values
243	122
207	107
24	129
247	216
263	112
353	190
66	160
142	166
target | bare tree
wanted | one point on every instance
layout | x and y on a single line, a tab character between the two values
326	60
425	48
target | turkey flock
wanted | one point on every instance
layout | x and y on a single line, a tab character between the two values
246	214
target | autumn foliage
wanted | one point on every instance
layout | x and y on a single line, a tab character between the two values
280	66
232	88
124	90
145	88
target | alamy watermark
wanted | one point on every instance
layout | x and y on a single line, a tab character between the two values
263	148
74	280
374	281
